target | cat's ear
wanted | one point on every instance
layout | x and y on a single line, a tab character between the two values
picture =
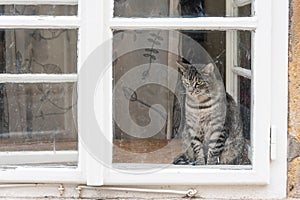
209	68
182	66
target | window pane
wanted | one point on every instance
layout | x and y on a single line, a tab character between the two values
244	99
173	8
54	10
38	117
38	51
244	11
244	49
143	72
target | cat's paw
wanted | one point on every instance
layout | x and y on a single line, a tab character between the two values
199	162
182	159
215	160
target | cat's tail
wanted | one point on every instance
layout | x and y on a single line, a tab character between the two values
233	152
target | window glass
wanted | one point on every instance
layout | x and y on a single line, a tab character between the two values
50	51
244	49
38	116
244	99
177	71
53	10
174	8
244	11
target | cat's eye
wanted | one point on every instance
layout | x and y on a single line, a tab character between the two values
200	83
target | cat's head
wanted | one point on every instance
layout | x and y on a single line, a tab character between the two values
198	78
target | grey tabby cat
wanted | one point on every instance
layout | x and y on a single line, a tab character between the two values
213	132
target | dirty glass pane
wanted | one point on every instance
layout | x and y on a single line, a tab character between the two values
151	94
244	11
53	10
244	49
173	8
244	99
51	51
38	117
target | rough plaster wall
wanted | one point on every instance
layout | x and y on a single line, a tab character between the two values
294	98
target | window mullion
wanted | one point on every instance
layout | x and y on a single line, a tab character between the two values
242	72
209	23
91	36
37	157
261	89
38	78
49	22
231	53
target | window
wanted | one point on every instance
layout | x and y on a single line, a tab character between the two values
141	42
141	45
124	58
40	59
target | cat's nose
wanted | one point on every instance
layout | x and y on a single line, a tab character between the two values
190	89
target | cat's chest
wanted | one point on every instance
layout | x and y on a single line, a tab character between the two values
198	117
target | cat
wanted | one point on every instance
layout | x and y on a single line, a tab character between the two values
213	130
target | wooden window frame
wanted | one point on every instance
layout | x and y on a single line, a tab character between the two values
12	171
269	108
260	24
267	178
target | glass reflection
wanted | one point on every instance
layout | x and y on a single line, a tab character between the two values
38	116
50	51
54	10
178	8
148	50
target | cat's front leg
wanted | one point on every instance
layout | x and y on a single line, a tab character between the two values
215	147
198	150
187	157
181	159
213	160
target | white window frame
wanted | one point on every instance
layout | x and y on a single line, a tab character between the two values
234	70
268	177
25	173
268	75
260	163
